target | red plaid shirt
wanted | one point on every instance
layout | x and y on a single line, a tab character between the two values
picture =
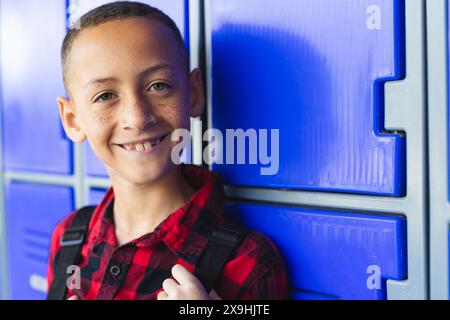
255	270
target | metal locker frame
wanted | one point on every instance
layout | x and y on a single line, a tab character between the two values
405	110
438	50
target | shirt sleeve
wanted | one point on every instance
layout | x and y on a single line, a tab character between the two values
256	272
271	285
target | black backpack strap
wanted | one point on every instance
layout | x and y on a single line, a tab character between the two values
223	239
71	244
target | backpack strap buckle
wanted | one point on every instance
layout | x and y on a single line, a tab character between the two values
73	237
225	236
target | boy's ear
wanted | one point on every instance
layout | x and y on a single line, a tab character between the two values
70	120
197	93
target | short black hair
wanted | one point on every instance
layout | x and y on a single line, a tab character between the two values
117	11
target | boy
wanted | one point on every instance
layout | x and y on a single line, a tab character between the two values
126	73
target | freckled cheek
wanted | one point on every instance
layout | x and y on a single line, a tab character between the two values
99	129
175	113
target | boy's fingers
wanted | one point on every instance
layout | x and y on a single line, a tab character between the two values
74	298
183	276
169	285
162	296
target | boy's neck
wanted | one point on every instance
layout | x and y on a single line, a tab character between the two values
139	209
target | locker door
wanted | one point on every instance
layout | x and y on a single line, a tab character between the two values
31	80
315	70
332	254
32	212
176	9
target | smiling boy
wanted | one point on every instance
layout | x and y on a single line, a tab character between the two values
129	87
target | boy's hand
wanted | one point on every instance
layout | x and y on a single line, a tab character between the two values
185	287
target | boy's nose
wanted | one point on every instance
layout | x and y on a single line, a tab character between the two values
137	116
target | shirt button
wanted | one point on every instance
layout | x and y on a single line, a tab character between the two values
115	271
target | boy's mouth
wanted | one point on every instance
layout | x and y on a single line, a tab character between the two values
144	145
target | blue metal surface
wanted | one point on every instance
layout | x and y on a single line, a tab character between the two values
330	254
31	80
178	11
96	196
32	212
303	295
315	70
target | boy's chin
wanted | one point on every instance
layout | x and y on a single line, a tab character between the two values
148	176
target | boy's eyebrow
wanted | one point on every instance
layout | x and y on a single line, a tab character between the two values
143	73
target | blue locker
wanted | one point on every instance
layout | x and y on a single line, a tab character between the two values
315	70
331	254
96	196
304	295
32	212
31	80
178	11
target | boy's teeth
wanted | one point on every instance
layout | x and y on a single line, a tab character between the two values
142	146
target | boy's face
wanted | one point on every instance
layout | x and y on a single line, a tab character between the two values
128	83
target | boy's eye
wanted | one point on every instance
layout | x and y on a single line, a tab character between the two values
104	97
159	86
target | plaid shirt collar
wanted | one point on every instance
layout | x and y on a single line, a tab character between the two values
180	232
